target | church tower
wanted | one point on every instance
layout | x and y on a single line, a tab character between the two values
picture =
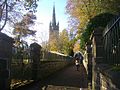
53	27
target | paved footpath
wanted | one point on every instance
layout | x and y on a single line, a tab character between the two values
66	79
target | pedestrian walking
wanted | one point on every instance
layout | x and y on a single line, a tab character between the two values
78	59
77	64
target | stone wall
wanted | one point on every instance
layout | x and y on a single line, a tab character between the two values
24	72
105	78
45	68
39	65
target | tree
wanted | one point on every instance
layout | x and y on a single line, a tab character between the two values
109	6
21	30
76	46
70	47
64	42
53	45
10	9
62	45
82	11
100	20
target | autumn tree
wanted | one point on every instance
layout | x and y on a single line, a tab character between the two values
11	10
22	30
76	46
64	42
23	27
53	45
82	11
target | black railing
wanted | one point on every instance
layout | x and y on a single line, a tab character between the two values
111	42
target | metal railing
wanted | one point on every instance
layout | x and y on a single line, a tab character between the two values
111	42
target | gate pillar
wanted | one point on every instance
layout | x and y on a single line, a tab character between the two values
6	44
35	57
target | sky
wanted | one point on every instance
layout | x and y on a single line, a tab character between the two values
44	16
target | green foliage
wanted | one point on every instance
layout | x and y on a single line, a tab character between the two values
116	68
98	21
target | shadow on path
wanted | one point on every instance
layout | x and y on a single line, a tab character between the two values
66	79
69	77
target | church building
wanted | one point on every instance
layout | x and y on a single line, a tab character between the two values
53	27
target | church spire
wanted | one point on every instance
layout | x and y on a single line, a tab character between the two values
53	27
54	17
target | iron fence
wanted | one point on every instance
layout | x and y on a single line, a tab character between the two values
111	42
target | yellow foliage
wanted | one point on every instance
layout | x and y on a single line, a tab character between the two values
76	47
53	45
83	10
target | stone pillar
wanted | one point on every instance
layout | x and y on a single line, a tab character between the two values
89	57
97	45
97	57
6	44
35	57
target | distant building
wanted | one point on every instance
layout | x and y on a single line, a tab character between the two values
53	28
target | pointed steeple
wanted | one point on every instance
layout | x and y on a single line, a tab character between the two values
53	27
54	17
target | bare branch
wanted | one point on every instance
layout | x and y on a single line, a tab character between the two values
5	16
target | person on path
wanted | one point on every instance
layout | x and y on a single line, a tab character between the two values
78	57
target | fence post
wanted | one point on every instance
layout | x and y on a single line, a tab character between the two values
97	45
35	53
97	52
89	57
6	44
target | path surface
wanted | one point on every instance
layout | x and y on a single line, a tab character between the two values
66	79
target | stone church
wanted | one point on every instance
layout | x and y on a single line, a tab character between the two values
53	28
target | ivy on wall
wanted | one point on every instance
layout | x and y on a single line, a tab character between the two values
100	20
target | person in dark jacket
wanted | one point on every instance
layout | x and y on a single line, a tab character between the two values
78	57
